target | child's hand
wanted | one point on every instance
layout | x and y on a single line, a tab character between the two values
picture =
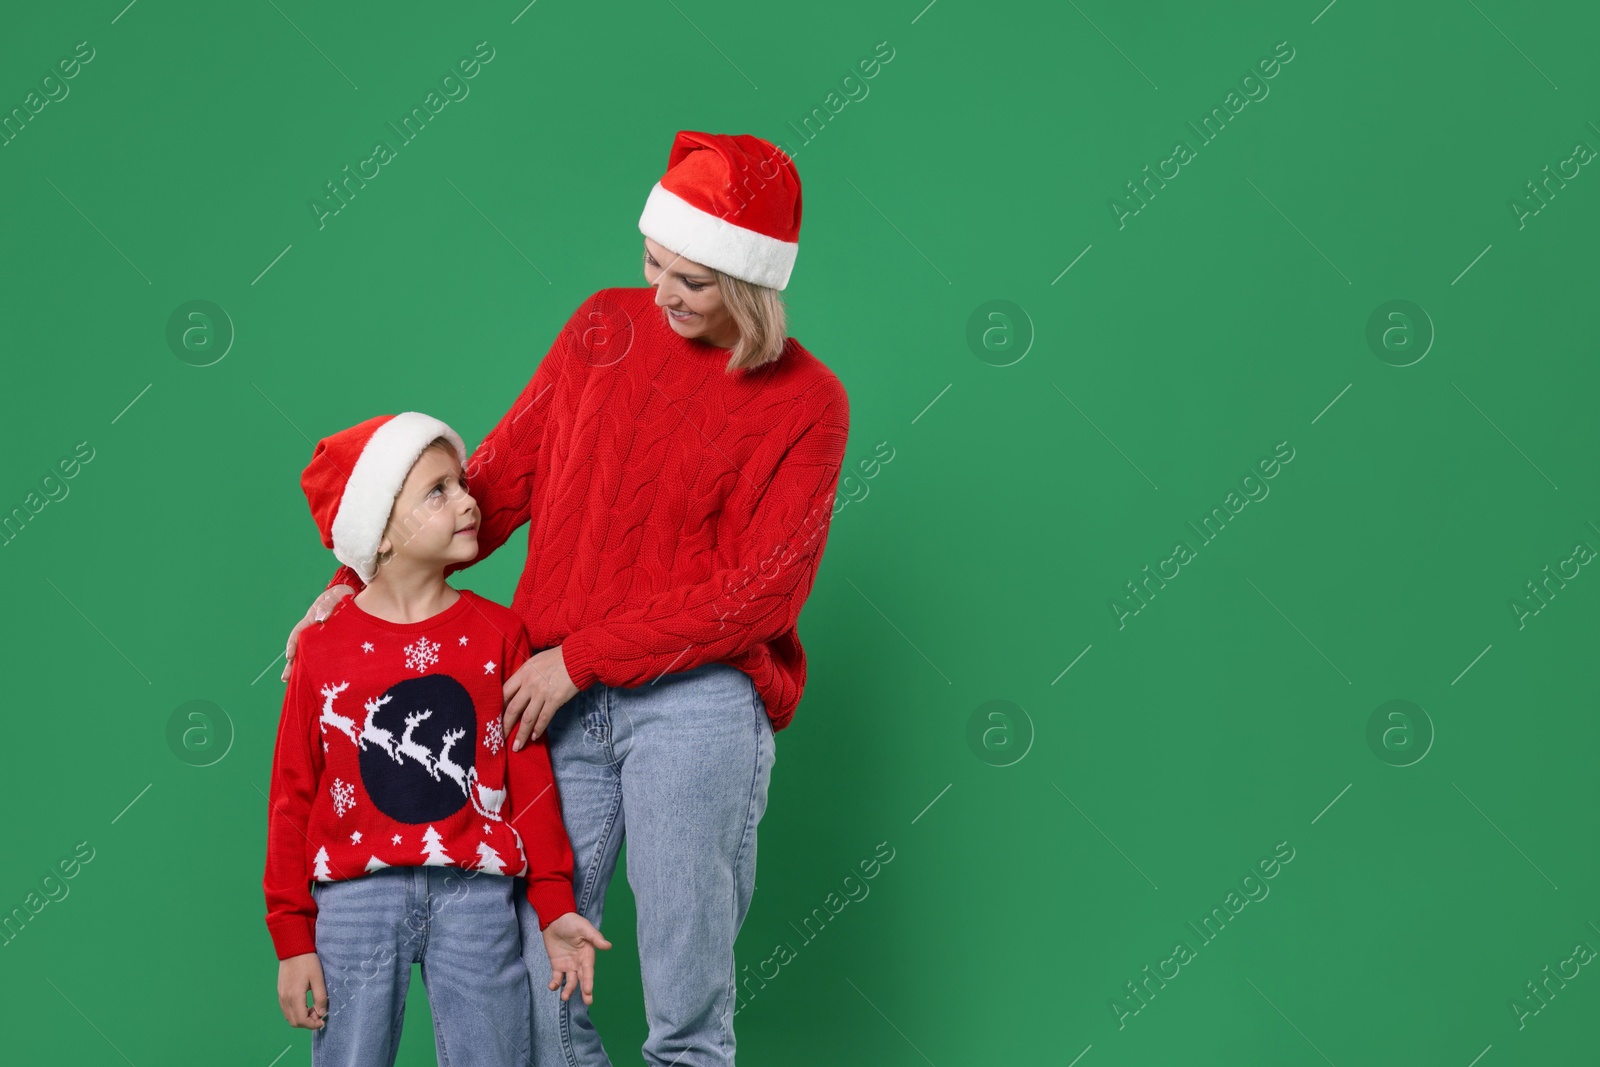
570	942
298	974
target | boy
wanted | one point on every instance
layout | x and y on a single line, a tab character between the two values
394	796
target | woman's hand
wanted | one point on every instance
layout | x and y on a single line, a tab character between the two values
570	942
534	694
300	973
315	613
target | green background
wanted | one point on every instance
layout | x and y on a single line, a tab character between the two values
1143	783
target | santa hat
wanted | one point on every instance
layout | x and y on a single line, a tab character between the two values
730	201
355	475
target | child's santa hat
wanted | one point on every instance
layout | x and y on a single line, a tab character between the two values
730	201
355	475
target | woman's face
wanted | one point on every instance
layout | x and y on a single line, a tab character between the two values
687	294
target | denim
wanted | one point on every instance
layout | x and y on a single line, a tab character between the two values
680	766
461	926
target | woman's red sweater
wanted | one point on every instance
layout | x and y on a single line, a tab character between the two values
676	512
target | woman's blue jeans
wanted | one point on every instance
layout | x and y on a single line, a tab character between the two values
681	766
461	926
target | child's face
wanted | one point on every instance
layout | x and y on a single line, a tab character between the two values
435	519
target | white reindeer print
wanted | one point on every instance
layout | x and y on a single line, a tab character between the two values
457	773
421	753
384	739
343	723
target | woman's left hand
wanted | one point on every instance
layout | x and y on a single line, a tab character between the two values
538	689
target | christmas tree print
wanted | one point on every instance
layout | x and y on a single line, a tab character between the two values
433	848
375	863
421	654
489	860
320	871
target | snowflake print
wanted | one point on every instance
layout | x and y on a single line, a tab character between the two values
421	654
463	639
395	839
488	668
366	646
355	838
491	736
344	796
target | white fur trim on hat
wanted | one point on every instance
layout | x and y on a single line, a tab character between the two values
702	237
379	473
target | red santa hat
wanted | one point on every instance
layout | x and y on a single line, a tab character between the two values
730	201
355	475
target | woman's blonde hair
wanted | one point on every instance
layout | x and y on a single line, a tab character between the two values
759	313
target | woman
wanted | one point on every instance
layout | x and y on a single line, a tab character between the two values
675	456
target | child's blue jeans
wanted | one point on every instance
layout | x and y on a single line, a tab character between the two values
461	926
682	765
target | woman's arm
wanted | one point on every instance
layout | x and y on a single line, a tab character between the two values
754	600
499	473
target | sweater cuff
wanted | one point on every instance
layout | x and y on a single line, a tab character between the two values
551	898
293	935
581	660
346	575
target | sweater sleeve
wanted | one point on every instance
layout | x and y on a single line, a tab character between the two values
296	769
754	599
535	807
499	472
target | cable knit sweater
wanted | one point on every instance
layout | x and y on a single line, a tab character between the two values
676	513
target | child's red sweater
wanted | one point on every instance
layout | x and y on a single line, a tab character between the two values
676	513
389	754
